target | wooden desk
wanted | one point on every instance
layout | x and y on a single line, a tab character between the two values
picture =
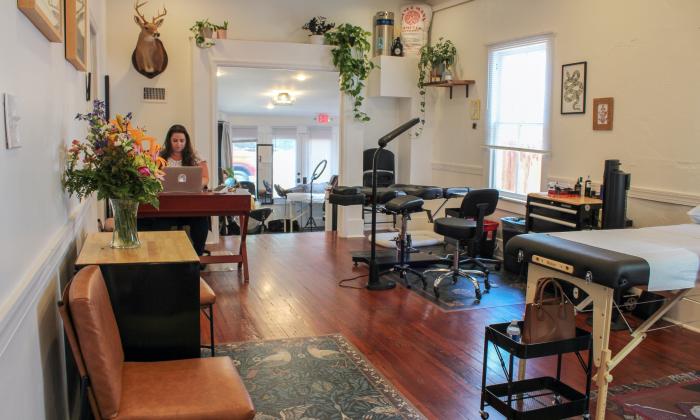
154	291
207	204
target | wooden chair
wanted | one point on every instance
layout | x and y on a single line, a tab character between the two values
181	389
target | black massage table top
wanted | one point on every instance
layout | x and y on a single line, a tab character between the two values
608	268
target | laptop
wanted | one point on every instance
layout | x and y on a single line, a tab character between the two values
182	179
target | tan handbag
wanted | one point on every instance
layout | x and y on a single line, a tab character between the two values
551	319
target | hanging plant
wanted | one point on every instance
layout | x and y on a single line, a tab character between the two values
203	31
351	58
443	53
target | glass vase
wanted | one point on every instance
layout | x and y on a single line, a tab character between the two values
125	234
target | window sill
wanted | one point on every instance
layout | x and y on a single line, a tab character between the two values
512	205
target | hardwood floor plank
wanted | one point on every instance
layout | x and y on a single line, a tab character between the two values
433	357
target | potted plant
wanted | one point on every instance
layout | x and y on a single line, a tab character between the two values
113	161
203	30
435	64
221	30
317	27
351	57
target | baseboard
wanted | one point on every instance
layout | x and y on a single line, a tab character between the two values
23	298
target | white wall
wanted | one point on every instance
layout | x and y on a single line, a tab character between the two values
264	20
37	221
641	52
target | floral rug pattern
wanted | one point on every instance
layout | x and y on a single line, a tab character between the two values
315	378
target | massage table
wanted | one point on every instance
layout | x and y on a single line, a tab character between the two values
604	262
291	212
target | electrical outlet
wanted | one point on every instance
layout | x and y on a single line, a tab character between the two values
475	109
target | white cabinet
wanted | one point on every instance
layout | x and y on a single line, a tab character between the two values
395	77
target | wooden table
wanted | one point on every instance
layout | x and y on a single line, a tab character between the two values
207	204
154	291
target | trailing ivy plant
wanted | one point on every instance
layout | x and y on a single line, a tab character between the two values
431	56
199	30
351	58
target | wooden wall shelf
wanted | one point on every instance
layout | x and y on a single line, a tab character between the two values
452	83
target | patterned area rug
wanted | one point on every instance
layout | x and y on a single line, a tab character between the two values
674	397
506	289
315	378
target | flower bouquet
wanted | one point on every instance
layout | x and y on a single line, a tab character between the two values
121	163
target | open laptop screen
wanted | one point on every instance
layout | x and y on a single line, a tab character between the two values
182	179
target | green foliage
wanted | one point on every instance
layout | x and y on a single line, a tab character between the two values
198	30
351	58
318	25
443	52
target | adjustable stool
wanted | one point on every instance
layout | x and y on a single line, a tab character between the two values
461	230
404	206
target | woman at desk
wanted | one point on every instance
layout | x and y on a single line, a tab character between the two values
178	151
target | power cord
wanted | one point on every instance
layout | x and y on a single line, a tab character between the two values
342	282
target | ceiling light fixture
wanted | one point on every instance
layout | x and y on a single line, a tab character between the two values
301	77
283	98
270	106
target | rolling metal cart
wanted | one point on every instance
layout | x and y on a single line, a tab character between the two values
541	398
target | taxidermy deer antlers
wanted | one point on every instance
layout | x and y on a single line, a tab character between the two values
149	57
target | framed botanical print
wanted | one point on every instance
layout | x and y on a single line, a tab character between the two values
603	113
46	15
573	88
77	33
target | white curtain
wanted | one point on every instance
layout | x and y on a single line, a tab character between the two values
225	152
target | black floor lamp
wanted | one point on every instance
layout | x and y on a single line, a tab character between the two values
318	171
374	283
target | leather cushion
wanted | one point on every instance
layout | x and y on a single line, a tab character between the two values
609	268
455	192
206	294
187	389
384	194
453	212
347	199
404	204
347	190
455	228
421	191
98	335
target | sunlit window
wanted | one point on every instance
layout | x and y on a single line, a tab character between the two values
518	114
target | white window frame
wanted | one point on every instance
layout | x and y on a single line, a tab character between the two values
545	151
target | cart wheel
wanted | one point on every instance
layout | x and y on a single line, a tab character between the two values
484	414
557	400
354	264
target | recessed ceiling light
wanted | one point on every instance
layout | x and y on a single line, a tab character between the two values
270	106
283	98
301	77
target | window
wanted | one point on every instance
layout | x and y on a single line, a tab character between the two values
243	153
320	147
518	114
284	156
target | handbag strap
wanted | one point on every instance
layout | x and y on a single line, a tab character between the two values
558	291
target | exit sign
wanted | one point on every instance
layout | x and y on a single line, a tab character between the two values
322	118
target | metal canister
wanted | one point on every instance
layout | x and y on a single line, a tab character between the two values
383	33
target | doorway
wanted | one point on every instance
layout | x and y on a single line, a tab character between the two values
277	127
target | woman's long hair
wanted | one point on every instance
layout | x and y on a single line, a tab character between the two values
187	152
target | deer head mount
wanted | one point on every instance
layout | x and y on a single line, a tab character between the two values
149	57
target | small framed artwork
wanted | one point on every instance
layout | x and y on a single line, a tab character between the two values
603	113
46	15
77	33
573	88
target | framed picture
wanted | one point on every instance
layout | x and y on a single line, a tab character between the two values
77	33
46	15
573	88
603	113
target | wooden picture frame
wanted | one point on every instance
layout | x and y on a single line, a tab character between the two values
573	88
603	109
46	15
77	33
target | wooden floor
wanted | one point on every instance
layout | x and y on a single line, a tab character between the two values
433	357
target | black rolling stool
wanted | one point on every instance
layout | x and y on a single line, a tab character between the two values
403	206
462	231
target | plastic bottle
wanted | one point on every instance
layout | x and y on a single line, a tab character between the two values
513	331
578	186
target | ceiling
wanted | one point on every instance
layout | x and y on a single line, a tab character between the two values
249	91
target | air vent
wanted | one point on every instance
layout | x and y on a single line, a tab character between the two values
154	95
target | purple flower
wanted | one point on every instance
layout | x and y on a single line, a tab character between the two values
144	171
